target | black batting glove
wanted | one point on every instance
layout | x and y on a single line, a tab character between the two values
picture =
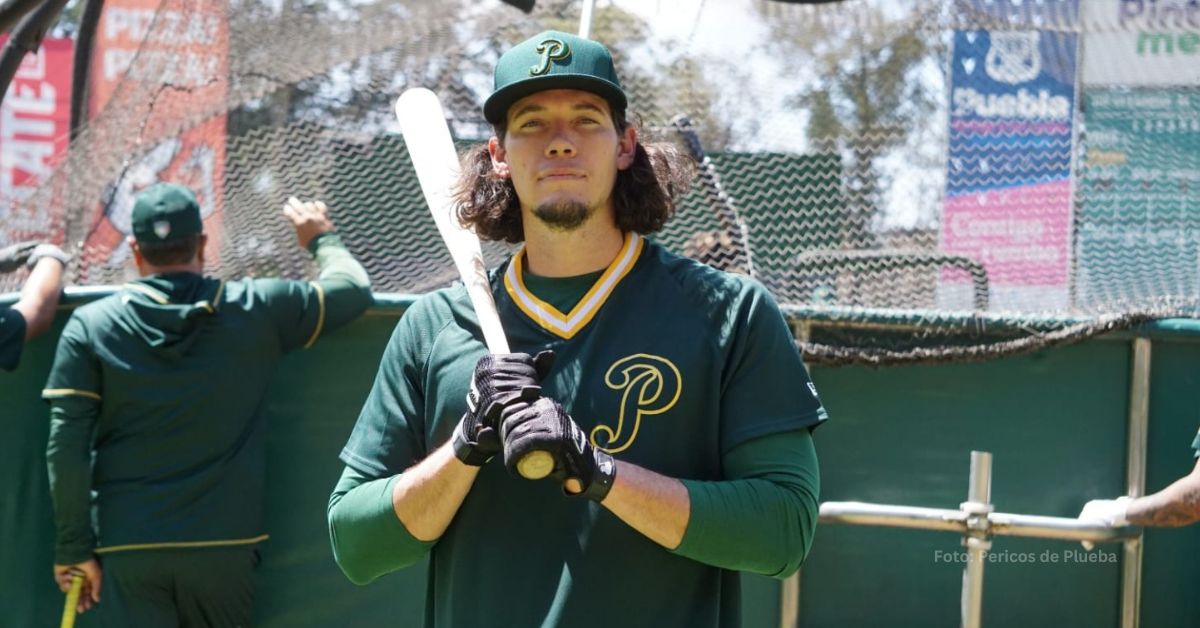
544	425
14	256
499	381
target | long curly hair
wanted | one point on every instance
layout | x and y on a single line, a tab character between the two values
643	196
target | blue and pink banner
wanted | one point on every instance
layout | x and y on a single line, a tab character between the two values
1008	176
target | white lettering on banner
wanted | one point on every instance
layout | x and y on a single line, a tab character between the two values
130	24
182	69
116	62
969	226
40	100
171	29
1160	13
1044	105
24	113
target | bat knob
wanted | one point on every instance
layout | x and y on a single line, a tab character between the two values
535	465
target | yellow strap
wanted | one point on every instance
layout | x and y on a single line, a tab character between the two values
68	616
54	393
320	314
182	544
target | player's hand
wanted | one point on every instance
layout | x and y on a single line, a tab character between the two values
310	219
14	256
93	578
499	381
44	251
544	425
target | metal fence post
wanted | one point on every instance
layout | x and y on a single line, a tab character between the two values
1135	478
978	506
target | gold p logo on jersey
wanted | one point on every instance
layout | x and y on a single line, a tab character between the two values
649	385
551	50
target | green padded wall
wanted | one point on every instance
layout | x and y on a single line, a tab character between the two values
1055	422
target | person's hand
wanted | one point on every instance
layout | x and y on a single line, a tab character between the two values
14	256
499	381
93	578
43	251
544	425
310	219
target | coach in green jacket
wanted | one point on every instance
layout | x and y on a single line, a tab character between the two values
156	449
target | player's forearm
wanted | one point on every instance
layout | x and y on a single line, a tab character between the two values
68	464
343	280
39	296
653	504
427	496
368	540
1177	505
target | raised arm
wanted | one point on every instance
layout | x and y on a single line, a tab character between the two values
345	289
39	296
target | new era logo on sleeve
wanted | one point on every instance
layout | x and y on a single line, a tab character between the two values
812	388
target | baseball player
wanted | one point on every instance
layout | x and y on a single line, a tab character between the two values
1174	506
34	310
156	448
670	396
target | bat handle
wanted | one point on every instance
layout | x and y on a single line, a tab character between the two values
535	465
68	616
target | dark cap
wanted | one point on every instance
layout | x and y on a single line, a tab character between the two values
553	60
165	211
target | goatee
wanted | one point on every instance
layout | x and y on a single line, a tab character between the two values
562	215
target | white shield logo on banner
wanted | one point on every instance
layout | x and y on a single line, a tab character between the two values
1013	57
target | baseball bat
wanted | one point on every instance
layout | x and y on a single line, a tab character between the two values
423	125
68	615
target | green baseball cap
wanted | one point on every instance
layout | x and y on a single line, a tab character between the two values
553	60
165	211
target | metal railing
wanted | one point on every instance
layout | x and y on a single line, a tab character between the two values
977	522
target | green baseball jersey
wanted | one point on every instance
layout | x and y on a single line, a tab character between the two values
12	338
162	382
664	362
1196	444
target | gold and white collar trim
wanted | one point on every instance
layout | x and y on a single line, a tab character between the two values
567	325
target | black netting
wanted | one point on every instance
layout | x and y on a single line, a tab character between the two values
990	160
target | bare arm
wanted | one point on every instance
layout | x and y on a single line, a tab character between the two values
39	296
428	495
655	505
1174	506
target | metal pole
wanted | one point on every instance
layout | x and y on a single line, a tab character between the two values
789	602
1135	478
585	20
978	506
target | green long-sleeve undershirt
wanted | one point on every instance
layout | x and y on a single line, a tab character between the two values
760	519
342	278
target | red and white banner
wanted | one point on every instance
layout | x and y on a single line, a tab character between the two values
35	121
163	61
